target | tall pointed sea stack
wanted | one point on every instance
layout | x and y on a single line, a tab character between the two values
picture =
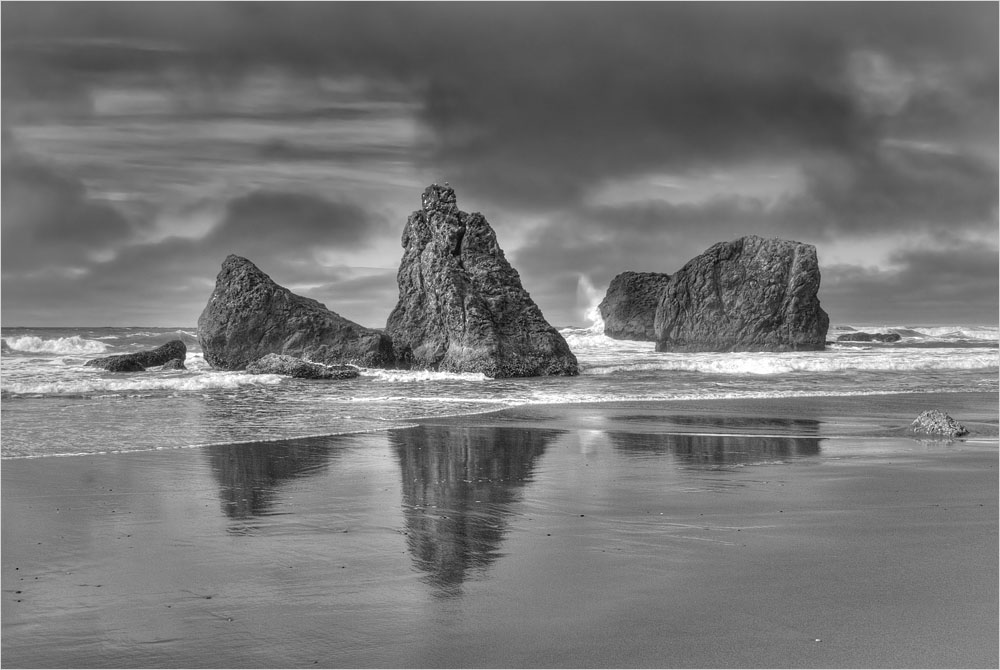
461	305
750	294
250	316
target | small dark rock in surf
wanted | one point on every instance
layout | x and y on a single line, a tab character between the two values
869	337
279	364
936	422
138	362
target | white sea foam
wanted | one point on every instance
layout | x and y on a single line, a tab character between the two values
163	405
928	333
961	333
898	360
585	340
545	398
58	346
586	291
421	375
130	384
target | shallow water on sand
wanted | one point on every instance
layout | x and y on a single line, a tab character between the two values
649	536
54	405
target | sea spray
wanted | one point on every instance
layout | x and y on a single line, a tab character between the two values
591	298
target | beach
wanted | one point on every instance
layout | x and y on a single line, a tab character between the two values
783	532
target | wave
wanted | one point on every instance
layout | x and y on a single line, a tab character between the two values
421	375
960	333
929	333
60	346
899	360
592	340
102	385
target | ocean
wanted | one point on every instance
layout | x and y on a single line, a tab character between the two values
52	405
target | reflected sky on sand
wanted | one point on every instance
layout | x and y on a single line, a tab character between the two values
459	486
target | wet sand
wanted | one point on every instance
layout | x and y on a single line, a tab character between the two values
807	532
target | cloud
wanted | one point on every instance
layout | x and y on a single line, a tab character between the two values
599	242
897	187
884	112
530	105
50	221
265	222
80	261
952	282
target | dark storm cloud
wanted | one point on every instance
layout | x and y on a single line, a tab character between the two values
153	283
953	283
600	242
958	277
887	111
533	102
49	220
278	149
177	276
265	221
80	257
896	188
649	237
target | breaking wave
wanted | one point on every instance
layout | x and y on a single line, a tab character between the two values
60	346
900	360
421	375
133	384
928	333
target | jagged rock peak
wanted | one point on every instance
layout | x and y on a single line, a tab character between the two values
440	199
461	306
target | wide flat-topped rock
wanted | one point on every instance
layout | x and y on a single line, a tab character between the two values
629	307
750	294
461	306
250	316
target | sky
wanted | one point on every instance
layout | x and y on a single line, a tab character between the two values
143	142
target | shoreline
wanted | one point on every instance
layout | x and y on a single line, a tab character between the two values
799	532
981	405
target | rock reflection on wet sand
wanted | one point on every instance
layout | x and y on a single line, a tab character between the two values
720	447
459	484
562	537
249	475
